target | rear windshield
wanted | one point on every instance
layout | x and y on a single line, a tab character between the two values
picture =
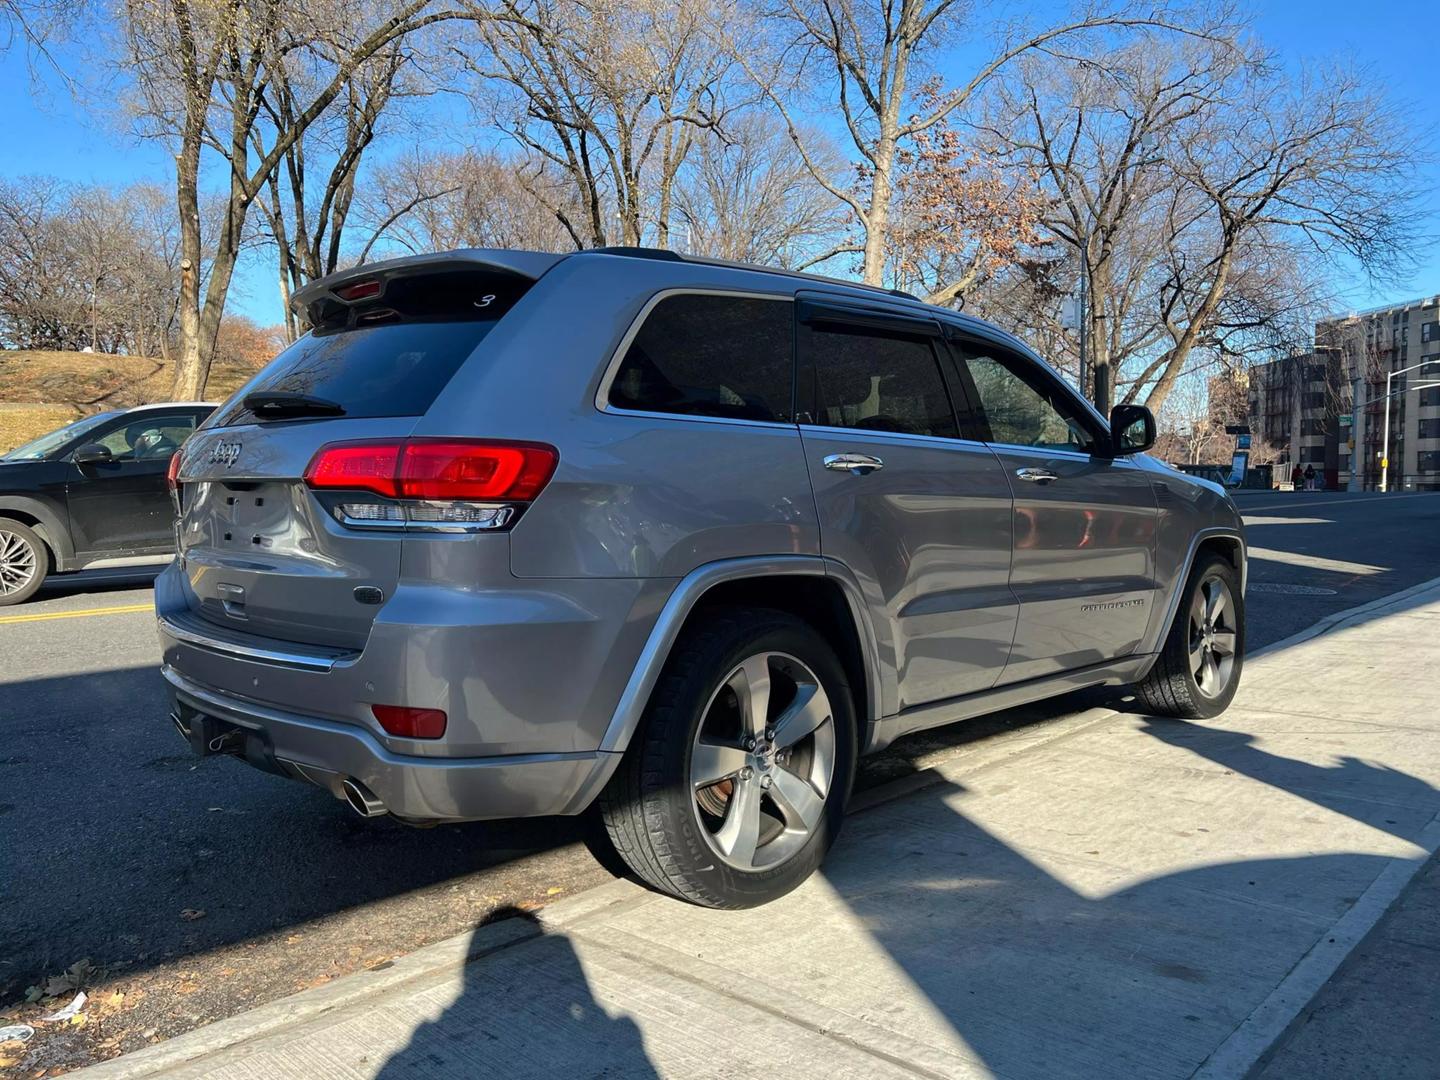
385	345
396	369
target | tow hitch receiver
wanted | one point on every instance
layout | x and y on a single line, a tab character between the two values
208	735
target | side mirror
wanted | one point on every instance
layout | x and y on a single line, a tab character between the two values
92	454
1132	429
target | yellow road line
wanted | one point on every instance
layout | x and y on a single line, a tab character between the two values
41	616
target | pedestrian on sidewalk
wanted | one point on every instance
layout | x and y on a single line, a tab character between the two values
1297	477
1309	477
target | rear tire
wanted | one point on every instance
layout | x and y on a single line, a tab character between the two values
1198	669
24	562
696	814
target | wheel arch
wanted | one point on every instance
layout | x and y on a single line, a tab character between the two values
1225	542
45	523
821	591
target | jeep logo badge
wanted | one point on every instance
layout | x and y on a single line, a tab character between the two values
224	453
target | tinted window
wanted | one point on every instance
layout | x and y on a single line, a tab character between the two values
392	370
152	436
700	355
877	382
1022	409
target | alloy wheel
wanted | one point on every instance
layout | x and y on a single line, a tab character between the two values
1212	637
763	762
17	563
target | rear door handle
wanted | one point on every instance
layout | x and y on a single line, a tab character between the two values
1037	476
857	464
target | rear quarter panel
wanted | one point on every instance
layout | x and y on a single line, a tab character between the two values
634	495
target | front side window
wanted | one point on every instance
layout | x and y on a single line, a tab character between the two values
710	355
149	438
876	382
1021	410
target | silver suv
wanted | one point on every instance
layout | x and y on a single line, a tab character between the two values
511	533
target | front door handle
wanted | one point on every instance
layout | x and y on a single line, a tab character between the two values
1037	476
857	464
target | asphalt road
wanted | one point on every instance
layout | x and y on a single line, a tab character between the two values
200	887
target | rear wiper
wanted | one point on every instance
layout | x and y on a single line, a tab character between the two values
278	403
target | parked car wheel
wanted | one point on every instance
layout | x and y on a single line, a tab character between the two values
1199	666
24	562
735	786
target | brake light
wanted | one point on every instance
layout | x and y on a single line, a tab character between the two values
407	723
436	472
508	472
360	290
172	473
357	467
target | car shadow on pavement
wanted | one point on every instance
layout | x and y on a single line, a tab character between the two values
1058	960
123	848
528	1014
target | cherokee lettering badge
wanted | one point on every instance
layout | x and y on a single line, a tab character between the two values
1113	605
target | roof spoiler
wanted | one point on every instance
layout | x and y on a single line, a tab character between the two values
529	265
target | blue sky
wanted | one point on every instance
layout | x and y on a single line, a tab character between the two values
45	132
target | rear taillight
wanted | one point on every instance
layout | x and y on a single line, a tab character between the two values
407	723
172	473
439	483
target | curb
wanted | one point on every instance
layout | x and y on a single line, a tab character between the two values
1254	1038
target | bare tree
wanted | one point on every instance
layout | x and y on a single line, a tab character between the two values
1204	192
86	267
429	202
870	59
750	197
201	74
609	95
309	200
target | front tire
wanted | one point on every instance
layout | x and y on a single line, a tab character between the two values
735	786
1198	670
24	562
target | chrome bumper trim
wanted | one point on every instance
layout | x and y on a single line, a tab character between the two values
254	653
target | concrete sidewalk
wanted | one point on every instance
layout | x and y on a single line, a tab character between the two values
1106	896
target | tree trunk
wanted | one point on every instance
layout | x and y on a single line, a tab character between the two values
188	380
877	217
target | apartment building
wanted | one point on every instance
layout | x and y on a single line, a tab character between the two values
1306	406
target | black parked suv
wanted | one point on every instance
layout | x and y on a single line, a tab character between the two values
91	494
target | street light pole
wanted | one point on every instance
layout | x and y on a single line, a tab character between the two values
1385	433
1084	319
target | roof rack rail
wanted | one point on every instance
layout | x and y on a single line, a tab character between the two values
666	255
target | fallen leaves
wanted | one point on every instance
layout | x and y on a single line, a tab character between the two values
190	914
72	978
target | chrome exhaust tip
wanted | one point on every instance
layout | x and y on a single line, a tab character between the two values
361	799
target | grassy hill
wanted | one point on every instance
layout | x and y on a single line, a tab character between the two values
39	391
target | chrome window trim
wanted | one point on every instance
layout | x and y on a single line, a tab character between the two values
940	442
612	367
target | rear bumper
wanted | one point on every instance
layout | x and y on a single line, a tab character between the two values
325	752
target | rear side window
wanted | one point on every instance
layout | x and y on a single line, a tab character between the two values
391	350
707	355
877	382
